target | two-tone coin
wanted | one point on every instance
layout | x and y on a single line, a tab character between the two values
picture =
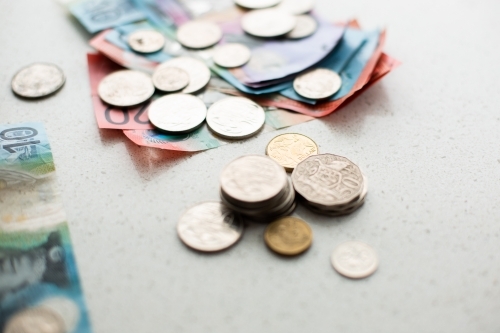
268	23
319	83
146	41
199	34
126	88
257	4
290	149
170	79
231	55
177	113
38	80
355	260
199	74
306	26
288	236
297	7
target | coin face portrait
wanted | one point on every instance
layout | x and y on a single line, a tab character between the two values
126	88
290	149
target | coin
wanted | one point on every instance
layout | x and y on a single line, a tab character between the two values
290	149
319	83
209	227
38	80
288	236
146	41
355	260
35	320
199	74
231	55
126	88
235	118
199	35
268	22
257	4
328	180
297	7
306	26
170	79
177	113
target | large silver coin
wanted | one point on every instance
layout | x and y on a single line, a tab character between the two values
253	178
318	83
199	35
38	80
297	7
355	260
257	4
235	118
126	88
268	22
177	113
170	79
306	26
199	74
209	226
328	180
231	55
35	320
146	41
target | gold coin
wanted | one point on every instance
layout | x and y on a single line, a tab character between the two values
288	236
290	149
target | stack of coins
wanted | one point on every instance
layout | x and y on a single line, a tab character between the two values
258	188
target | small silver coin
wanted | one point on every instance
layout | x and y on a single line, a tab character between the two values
177	113
199	35
355	260
257	4
306	26
297	7
235	118
199	74
231	55
35	320
146	41
318	83
209	227
268	23
170	79
38	80
126	88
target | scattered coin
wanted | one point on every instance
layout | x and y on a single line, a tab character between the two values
35	320
177	113
306	26
288	236
126	88
146	41
231	55
209	227
199	74
235	118
297	7
257	4
355	260
199	35
290	149
170	79
268	23
319	83
38	80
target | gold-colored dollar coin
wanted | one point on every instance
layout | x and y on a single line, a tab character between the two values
288	236
290	149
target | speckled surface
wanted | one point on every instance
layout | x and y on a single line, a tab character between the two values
427	137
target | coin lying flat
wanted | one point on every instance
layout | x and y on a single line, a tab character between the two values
319	83
288	236
126	88
146	41
306	26
268	23
235	118
209	227
355	260
38	80
170	79
290	149
257	4
199	35
232	55
199	74
177	113
297	7
35	320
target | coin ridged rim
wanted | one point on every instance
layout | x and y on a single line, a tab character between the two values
289	252
317	96
138	50
151	87
52	91
288	167
345	272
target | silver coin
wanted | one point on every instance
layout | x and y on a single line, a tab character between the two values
253	178
199	74
146	41
209	227
257	4
231	55
318	83
170	79
235	118
177	113
199	35
306	26
328	180
35	320
38	80
355	260
268	23
297	7
126	88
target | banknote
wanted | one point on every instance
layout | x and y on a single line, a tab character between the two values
39	283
